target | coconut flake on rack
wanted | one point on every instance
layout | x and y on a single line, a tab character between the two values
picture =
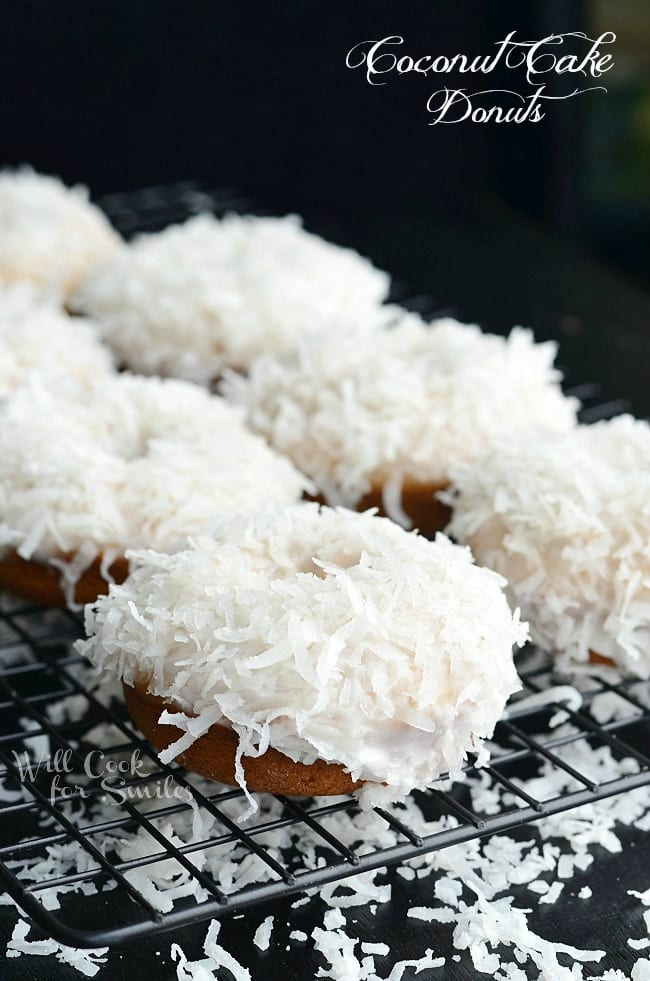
356	412
37	336
127	462
210	293
50	235
566	519
323	634
471	877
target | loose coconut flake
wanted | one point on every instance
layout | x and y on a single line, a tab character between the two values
473	884
262	938
473	879
87	962
215	958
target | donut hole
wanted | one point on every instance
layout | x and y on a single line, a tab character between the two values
139	438
137	448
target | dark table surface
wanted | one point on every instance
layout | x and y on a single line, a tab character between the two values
492	269
604	922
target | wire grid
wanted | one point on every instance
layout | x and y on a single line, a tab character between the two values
40	669
149	209
39	672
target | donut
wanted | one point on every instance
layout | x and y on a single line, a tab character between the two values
379	418
309	650
565	518
50	235
214	755
40	581
208	294
87	472
36	335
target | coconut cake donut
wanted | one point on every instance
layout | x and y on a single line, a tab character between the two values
209	294
50	235
87	472
377	419
565	518
37	336
311	651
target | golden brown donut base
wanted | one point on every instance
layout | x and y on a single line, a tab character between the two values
40	582
213	755
427	514
599	659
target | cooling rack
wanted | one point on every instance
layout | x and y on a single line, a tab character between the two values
39	670
149	209
52	710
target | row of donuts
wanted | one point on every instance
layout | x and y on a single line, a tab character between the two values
328	650
372	405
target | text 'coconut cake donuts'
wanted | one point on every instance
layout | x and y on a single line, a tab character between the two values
209	294
87	472
311	651
50	235
36	335
566	519
378	418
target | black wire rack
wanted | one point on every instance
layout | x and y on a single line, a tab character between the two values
40	672
149	209
51	707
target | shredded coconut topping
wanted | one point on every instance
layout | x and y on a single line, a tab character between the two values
212	293
127	462
358	411
324	634
50	235
35	335
566	519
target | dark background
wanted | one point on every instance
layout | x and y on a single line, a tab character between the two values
496	221
258	95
